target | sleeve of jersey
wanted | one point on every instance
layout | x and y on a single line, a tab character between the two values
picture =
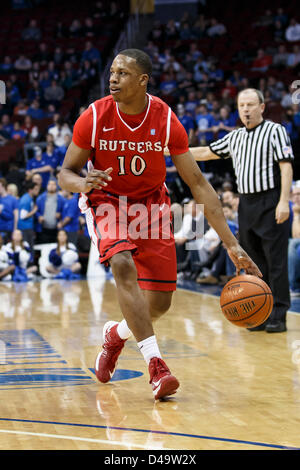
82	131
282	145
178	140
221	147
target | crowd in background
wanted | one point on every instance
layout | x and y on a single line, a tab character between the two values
194	82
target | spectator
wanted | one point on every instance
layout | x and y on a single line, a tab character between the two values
275	88
49	209
18	133
61	151
70	216
4	136
7	126
287	97
87	72
216	28
31	130
262	62
278	31
6	269
53	71
59	131
8	211
13	95
44	81
189	238
225	123
54	93
58	56
281	16
34	92
75	29
88	29
32	32
294	57
39	164
186	33
171	31
51	155
34	72
265	20
37	179
281	57
171	65
222	269
292	33
20	109
20	255
187	122
91	54
43	55
199	27
27	211
191	104
64	260
6	66
23	63
205	125
294	243
168	85
200	68
12	189
35	111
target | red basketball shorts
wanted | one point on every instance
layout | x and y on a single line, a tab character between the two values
145	228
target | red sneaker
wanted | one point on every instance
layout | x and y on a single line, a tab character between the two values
106	361
162	381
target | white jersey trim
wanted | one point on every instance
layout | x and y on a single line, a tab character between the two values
140	125
168	127
94	125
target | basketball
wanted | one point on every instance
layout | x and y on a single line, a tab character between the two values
246	301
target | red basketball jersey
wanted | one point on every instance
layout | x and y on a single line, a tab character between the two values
135	153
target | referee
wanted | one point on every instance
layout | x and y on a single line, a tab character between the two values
261	154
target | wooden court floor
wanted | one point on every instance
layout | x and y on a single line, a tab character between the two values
239	390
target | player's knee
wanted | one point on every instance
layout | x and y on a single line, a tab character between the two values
123	267
160	302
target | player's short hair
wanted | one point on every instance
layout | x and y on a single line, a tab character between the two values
259	94
142	59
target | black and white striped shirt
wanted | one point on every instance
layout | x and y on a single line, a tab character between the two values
256	154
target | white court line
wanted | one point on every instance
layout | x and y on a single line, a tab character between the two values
84	439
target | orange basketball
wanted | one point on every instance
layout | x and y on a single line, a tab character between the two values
246	301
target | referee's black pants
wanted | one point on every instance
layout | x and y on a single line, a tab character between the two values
266	242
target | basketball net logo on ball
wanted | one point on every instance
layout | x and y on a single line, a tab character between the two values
246	301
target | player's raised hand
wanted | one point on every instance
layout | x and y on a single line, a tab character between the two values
242	261
97	179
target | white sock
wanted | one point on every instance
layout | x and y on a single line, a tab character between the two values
149	348
123	331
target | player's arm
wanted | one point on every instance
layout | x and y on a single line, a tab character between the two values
204	193
69	177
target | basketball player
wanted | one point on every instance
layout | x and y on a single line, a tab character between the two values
122	136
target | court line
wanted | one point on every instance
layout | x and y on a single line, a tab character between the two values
75	438
166	433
